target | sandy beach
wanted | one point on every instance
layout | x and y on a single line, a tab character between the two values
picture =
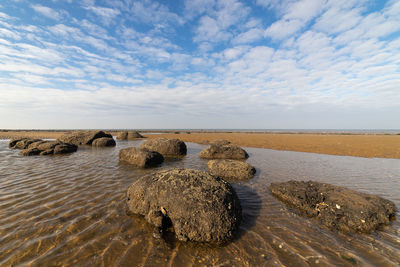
359	145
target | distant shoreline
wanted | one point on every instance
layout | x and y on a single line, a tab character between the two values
342	144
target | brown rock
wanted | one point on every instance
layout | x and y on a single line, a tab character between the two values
142	158
166	147
103	141
223	152
82	137
231	170
22	143
221	142
129	135
199	206
32	147
335	206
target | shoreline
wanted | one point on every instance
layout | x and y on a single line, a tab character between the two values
341	144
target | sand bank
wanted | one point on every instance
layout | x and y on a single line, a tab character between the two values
367	145
379	146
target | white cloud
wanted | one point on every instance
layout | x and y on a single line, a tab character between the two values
47	12
194	8
106	14
296	17
150	12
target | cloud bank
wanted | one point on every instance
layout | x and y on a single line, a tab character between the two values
200	64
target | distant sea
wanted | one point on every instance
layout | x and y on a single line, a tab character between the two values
335	131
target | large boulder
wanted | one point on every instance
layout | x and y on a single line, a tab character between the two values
166	147
231	170
142	158
129	135
32	147
335	206
82	137
104	141
199	206
217	151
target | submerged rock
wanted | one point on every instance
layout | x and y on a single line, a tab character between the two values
166	147
231	169
129	135
104	141
335	206
142	158
199	206
216	151
31	147
82	137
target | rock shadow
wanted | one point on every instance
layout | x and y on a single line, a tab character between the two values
251	203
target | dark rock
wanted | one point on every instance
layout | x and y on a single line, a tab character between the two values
166	147
223	152
82	137
142	158
32	147
199	206
104	141
231	170
30	152
335	206
64	148
131	135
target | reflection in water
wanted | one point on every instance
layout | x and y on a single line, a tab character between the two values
70	210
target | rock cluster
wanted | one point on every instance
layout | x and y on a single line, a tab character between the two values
87	138
226	161
141	158
197	205
129	135
334	206
166	147
32	147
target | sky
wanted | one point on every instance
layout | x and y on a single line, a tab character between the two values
200	64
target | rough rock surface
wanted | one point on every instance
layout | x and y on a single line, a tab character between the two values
142	158
221	142
199	206
334	206
166	147
131	135
22	143
32	147
216	151
104	141
82	137
231	170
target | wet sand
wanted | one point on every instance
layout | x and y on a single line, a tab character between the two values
378	146
359	145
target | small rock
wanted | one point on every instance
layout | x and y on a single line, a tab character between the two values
166	147
129	135
142	158
223	152
231	170
103	141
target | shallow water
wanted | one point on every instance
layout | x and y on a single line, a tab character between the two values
70	210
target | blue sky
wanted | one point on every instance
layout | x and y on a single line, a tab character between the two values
200	64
